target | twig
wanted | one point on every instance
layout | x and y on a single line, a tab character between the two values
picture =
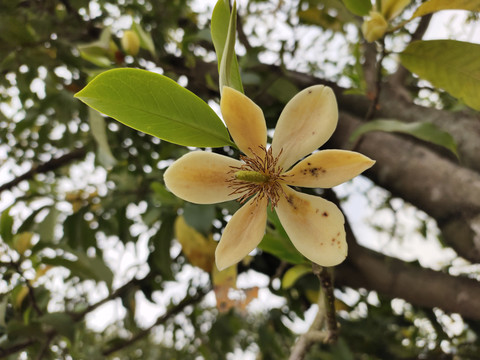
378	84
325	277
189	300
51	165
314	334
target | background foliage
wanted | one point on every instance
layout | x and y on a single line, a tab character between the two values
96	260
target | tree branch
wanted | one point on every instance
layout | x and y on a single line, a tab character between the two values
422	287
51	165
189	300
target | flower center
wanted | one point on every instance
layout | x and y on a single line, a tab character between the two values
259	175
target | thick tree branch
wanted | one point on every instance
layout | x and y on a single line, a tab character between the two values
422	287
443	189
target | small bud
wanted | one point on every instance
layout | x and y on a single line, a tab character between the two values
374	27
131	42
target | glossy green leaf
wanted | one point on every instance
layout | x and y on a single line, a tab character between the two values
431	6
421	130
156	105
224	25
358	7
448	64
295	273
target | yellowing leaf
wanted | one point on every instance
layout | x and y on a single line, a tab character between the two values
293	274
22	242
437	5
199	250
448	64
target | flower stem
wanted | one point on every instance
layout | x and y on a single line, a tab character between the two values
325	276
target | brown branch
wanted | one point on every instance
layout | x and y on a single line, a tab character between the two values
51	165
326	281
417	174
189	300
313	334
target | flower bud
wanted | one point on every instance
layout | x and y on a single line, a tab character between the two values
374	27
131	42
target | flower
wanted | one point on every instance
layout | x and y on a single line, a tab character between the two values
264	175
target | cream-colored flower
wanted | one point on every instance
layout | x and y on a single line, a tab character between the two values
314	225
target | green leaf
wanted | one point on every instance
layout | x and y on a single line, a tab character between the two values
431	6
146	41
421	130
99	133
448	64
156	105
159	259
295	273
358	7
277	242
61	322
86	268
200	217
6	225
223	28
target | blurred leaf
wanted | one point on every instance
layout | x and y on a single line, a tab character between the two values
146	41
6	224
421	130
294	273
156	105
437	5
46	228
98	129
198	249
283	90
85	267
358	7
200	217
163	195
159	259
22	242
61	322
448	64
223	28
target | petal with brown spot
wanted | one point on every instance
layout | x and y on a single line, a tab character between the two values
315	227
328	168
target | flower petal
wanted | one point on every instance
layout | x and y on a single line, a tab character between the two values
243	233
328	168
201	177
245	121
306	123
315	226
